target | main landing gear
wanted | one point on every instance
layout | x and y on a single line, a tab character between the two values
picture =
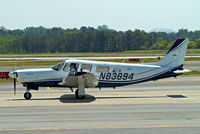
79	95
27	95
80	92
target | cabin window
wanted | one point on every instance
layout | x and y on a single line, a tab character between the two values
86	67
116	70
102	69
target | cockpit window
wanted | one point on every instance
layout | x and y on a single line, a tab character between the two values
58	66
71	67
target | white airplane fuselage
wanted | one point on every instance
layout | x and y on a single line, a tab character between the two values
126	73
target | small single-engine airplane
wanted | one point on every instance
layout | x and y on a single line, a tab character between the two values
83	74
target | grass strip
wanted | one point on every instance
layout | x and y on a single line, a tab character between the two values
50	63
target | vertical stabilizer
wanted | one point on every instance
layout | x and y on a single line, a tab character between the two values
176	55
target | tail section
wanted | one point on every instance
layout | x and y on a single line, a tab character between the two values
176	55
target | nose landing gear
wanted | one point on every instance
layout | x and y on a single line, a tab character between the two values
28	95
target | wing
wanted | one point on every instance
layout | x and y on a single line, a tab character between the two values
74	80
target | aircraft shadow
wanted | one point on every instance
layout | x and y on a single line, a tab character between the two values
70	98
177	96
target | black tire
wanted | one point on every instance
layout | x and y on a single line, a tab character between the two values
27	95
79	96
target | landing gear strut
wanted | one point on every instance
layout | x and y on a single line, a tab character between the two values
79	96
27	95
80	92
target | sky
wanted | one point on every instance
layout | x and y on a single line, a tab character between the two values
121	15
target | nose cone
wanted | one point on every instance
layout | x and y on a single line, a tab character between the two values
13	74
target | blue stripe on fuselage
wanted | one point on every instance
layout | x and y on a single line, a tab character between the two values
45	83
118	84
105	83
162	75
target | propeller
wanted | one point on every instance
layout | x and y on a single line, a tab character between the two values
14	86
15	75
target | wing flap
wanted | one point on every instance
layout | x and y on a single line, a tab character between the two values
72	80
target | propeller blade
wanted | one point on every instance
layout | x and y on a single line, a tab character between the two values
14	86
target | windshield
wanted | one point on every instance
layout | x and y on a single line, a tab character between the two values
58	66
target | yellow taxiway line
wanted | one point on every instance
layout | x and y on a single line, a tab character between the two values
97	127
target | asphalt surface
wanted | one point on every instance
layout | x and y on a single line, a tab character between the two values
192	65
161	107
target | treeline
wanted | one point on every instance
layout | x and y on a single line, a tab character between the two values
88	39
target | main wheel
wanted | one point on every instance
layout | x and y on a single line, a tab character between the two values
79	96
27	95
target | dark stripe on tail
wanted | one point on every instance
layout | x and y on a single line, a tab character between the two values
178	41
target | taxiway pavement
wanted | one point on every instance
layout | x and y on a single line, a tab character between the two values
161	107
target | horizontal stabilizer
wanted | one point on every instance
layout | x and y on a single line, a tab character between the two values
182	71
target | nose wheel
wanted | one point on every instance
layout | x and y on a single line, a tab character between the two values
27	95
